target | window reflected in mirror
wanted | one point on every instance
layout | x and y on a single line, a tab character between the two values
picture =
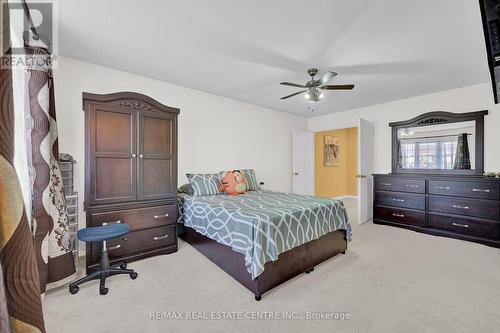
438	147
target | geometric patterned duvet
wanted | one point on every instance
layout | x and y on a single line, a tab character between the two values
262	224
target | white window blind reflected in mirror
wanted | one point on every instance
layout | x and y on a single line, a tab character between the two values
429	154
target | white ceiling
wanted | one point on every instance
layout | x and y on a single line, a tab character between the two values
390	49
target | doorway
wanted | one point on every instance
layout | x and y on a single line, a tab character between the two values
336	163
343	167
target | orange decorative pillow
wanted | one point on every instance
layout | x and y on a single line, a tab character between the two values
233	182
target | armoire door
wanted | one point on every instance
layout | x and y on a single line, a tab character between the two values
157	175
113	154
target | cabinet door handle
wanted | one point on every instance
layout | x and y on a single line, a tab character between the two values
398	200
117	222
460	225
134	155
443	188
160	216
412	186
481	190
460	207
114	247
160	237
141	156
385	184
398	215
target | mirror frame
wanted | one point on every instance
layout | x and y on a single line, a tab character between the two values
442	117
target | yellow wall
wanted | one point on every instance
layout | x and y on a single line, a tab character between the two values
338	180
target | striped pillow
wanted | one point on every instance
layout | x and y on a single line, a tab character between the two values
204	184
249	175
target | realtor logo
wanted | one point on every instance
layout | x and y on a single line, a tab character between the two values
32	27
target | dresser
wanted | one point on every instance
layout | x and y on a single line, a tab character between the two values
458	206
130	174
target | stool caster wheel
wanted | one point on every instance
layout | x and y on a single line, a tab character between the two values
73	290
103	290
133	275
123	265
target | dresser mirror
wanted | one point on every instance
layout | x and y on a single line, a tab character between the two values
440	143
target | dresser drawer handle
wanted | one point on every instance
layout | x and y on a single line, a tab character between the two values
114	247
398	200
460	225
412	186
117	222
443	188
398	215
385	184
160	237
160	216
460	207
481	190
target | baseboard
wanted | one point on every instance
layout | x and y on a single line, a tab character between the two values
346	197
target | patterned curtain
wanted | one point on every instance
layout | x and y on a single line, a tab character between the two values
20	276
50	221
400	155
462	158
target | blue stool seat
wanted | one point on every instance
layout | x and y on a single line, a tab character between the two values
97	234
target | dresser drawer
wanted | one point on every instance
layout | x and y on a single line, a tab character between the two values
400	184
399	215
470	207
467	226
142	240
138	219
481	190
403	200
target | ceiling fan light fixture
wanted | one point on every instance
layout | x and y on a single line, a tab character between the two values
314	95
313	89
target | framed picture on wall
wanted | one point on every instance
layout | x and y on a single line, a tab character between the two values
332	151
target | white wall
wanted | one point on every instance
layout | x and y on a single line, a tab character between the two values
215	133
472	98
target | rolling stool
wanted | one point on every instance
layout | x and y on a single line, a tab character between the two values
102	234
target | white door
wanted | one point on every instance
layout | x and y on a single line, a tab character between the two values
365	170
303	162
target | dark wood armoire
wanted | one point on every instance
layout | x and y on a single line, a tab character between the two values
131	174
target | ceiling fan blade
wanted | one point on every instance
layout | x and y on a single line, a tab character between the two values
293	84
327	77
294	94
338	87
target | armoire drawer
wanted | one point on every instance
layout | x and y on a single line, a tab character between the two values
400	184
462	206
397	199
142	240
138	219
399	216
480	190
468	226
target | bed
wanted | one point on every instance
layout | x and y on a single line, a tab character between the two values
264	238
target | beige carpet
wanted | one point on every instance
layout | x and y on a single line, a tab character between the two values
390	280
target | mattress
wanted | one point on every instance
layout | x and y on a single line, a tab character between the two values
263	224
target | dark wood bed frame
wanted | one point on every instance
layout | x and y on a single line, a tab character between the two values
301	259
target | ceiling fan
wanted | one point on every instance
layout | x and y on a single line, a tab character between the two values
312	92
